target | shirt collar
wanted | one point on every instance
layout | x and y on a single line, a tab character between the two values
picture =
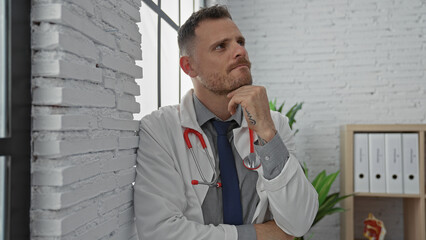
204	115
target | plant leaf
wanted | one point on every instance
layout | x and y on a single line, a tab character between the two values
280	109
328	201
324	186
330	211
317	179
272	105
331	201
305	169
291	114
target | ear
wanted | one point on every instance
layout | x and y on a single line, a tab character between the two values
186	66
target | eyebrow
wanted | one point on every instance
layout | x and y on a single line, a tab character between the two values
213	45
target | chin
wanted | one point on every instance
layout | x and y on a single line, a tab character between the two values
247	82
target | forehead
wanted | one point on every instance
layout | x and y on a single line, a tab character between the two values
212	30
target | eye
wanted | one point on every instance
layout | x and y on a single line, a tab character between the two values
220	46
242	42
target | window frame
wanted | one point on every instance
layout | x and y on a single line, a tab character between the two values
156	7
16	145
161	15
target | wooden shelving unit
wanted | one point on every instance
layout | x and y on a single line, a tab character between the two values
413	204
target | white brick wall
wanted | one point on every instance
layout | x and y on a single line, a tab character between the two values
350	62
84	135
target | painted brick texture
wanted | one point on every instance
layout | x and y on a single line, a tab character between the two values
350	62
84	135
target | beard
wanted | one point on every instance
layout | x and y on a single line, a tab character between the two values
224	83
221	84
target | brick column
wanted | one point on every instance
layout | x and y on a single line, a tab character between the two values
84	135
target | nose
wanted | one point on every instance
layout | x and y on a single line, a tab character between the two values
240	50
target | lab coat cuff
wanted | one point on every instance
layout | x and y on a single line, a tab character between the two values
273	156
246	232
231	232
290	169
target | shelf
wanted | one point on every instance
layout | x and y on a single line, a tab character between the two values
385	128
413	205
390	195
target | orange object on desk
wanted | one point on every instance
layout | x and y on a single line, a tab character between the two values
374	229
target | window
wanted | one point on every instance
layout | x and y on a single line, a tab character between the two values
4	86
163	82
15	119
3	80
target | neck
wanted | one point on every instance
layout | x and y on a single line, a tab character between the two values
217	104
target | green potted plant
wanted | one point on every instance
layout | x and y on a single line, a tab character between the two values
291	114
322	182
327	202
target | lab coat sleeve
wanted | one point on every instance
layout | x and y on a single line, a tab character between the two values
160	197
292	199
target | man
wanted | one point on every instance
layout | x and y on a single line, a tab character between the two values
273	201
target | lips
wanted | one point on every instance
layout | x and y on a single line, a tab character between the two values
241	63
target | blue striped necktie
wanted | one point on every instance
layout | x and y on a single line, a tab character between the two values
231	197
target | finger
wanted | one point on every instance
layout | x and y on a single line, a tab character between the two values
242	96
238	99
231	94
232	105
244	99
239	90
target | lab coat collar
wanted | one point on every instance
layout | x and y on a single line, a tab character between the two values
188	118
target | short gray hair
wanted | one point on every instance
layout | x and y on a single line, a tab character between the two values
186	33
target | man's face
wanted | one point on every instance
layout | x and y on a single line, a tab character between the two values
219	57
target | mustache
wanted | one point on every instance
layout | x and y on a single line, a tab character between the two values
239	62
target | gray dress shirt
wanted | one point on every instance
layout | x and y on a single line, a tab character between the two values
273	157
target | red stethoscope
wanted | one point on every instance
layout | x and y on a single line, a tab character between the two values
251	162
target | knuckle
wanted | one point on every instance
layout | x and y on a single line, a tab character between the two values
260	90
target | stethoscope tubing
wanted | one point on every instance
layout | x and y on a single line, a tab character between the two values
214	183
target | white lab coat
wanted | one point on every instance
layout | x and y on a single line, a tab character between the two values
168	206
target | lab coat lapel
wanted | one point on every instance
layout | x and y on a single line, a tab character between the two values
189	120
241	142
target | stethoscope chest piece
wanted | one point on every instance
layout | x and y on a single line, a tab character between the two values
252	161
